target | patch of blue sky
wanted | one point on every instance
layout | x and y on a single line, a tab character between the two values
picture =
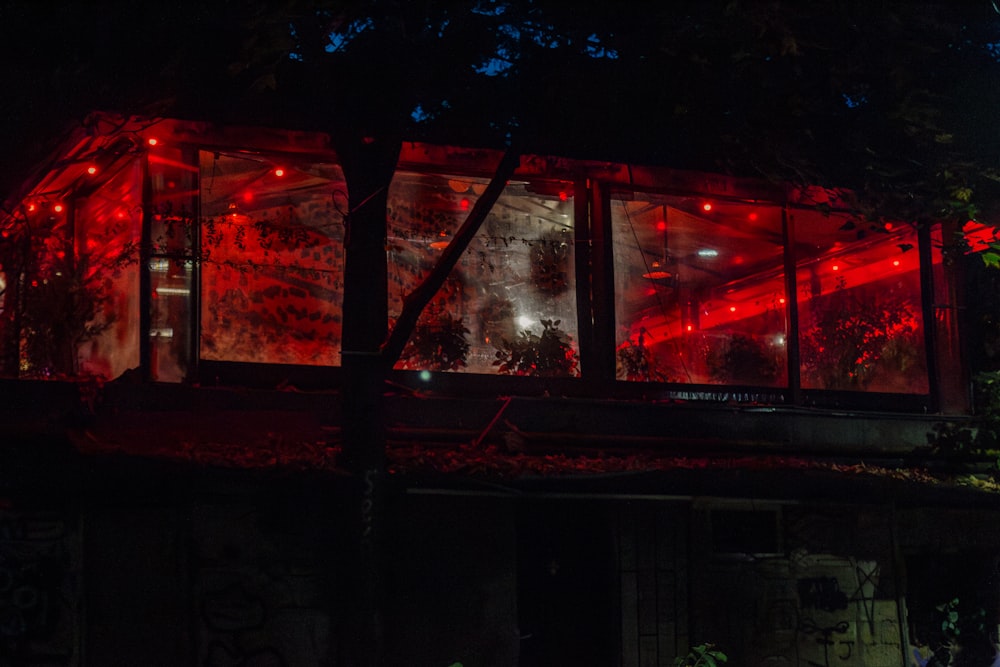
494	67
595	49
854	101
338	40
491	8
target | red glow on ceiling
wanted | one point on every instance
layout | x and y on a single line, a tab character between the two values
248	195
706	206
661	226
464	204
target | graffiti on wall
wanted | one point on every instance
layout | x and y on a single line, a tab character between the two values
821	611
39	589
262	598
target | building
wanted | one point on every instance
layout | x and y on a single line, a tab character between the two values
648	409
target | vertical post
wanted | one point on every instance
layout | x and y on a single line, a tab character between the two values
145	280
603	286
927	312
369	165
793	358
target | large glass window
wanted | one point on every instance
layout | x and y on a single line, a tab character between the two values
108	228
860	319
700	290
173	176
272	259
509	305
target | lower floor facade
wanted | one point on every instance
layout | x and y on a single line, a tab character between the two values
135	565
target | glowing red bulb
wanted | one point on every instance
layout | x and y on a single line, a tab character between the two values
91	170
661	226
58	208
836	267
690	327
732	309
279	172
31	207
752	216
781	300
464	204
706	206
248	196
895	262
152	141
563	196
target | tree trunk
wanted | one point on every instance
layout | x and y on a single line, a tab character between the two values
368	169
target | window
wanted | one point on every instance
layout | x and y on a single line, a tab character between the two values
700	290
860	318
509	305
272	258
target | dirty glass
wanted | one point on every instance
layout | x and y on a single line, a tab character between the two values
509	305
272	259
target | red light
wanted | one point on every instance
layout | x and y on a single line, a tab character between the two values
464	204
888	226
563	196
31	207
732	309
91	170
690	327
58	208
895	262
152	141
248	196
752	216
706	206
781	300
836	267
279	172
661	226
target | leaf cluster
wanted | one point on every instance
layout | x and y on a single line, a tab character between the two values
550	354
703	655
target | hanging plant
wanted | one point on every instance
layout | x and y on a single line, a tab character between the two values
549	355
550	263
438	345
636	362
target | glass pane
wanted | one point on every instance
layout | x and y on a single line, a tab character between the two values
700	291
509	305
170	319
272	259
108	227
860	321
174	180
